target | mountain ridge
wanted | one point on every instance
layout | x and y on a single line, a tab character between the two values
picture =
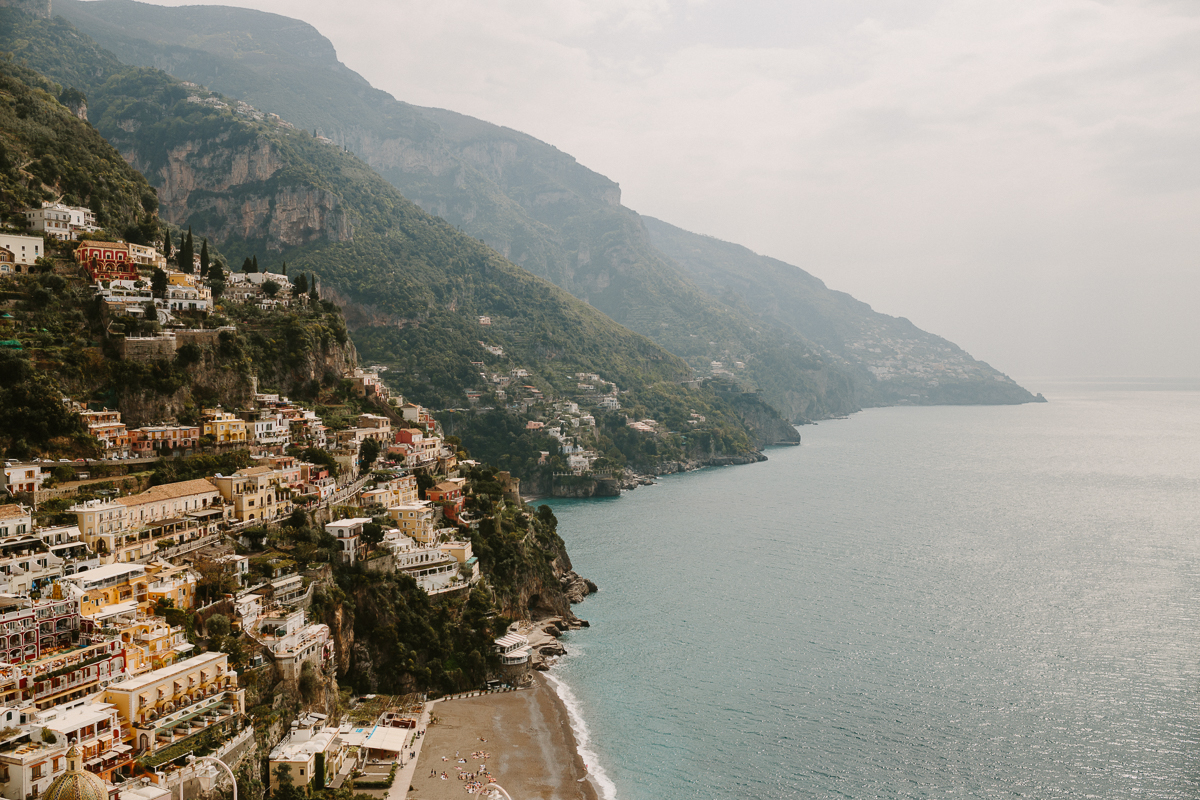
422	290
533	203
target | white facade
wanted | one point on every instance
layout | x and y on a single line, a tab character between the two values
61	221
513	649
25	249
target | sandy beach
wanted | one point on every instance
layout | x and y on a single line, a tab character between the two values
532	750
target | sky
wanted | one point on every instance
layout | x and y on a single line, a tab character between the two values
1021	177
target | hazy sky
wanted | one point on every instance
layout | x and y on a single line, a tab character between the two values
1022	177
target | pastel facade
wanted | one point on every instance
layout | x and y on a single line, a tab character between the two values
392	492
152	440
255	493
224	427
130	528
414	520
167	705
95	729
25	249
308	749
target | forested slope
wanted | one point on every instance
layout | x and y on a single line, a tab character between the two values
531	202
547	212
417	286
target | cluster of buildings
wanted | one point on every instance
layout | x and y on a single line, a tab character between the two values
148	441
263	289
92	677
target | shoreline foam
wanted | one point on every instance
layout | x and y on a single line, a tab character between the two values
581	738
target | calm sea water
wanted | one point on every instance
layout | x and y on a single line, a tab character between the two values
917	602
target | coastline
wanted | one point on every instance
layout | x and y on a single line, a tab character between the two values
529	737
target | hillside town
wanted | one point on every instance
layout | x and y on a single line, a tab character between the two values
135	610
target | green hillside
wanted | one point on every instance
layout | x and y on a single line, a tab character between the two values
415	287
531	202
46	154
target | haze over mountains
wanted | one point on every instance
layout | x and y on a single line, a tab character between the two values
812	352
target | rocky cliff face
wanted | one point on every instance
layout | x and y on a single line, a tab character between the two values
764	422
233	185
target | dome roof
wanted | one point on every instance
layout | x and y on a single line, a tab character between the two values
76	783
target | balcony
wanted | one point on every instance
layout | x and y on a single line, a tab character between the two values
183	722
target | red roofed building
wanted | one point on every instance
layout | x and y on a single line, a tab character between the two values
449	496
106	261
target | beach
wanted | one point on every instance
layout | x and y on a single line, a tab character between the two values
532	751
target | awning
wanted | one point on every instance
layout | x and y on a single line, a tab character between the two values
387	739
120	748
183	648
93	762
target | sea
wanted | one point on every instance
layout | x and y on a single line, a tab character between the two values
985	602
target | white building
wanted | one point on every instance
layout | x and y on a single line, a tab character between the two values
25	250
61	221
297	753
514	649
22	477
15	520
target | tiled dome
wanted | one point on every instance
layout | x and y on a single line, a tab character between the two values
76	783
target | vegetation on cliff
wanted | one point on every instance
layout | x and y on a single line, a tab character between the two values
528	200
416	286
47	154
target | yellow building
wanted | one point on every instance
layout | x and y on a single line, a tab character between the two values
415	520
119	588
224	427
393	492
150	643
256	493
168	705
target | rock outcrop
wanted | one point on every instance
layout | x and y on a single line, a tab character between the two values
575	587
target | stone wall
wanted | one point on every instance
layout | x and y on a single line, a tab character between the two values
150	348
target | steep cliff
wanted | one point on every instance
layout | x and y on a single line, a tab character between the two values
533	203
562	221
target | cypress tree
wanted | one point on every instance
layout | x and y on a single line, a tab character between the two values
248	265
187	253
158	283
313	294
284	272
254	258
301	285
167	250
204	259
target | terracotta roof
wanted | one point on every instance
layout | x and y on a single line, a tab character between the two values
252	471
12	510
169	491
